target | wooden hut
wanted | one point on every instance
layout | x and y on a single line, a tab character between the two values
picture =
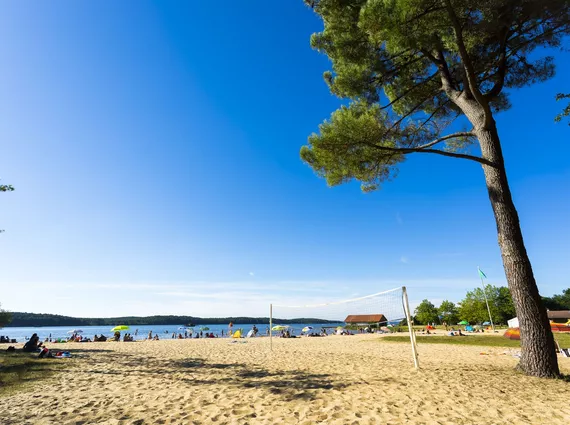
372	320
559	316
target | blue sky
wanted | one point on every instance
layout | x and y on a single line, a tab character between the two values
154	147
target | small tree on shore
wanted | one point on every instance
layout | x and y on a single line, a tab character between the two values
447	311
5	317
558	301
5	188
425	313
411	69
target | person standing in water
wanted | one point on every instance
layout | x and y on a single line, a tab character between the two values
230	327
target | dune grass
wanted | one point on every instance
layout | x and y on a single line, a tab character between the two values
477	340
19	370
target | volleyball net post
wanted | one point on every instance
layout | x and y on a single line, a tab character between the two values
271	327
410	327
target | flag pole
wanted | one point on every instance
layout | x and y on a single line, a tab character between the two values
486	300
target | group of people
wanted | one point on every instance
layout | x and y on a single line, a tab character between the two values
6	340
152	338
200	334
34	343
76	338
128	337
286	333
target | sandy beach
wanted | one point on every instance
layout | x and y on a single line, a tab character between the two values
331	380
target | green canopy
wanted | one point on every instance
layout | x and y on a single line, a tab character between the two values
120	328
463	322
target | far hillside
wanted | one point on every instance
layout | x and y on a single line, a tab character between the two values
40	319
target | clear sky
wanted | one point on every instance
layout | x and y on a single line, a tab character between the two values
154	147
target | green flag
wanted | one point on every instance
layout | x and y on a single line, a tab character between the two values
481	273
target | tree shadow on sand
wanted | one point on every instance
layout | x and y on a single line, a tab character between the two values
289	384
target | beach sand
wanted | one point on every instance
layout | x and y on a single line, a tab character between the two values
332	380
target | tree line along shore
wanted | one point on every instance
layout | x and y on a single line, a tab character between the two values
19	319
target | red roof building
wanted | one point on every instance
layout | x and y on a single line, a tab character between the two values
365	319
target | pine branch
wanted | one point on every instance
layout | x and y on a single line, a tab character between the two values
446	78
435	151
421	83
502	68
467	64
439	108
443	138
424	148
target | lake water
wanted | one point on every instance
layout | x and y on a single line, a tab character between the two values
164	331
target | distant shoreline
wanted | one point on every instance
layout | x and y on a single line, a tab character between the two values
20	319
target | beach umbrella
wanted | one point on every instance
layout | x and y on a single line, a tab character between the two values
307	328
463	322
120	328
512	333
279	328
75	331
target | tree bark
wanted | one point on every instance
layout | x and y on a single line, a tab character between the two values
538	350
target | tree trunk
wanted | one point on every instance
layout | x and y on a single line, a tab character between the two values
538	350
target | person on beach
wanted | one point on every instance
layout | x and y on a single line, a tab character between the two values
230	327
33	344
149	334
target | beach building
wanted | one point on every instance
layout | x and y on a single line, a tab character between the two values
559	316
371	320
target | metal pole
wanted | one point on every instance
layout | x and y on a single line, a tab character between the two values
410	327
487	302
271	326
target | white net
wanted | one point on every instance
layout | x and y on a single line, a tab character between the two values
373	311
